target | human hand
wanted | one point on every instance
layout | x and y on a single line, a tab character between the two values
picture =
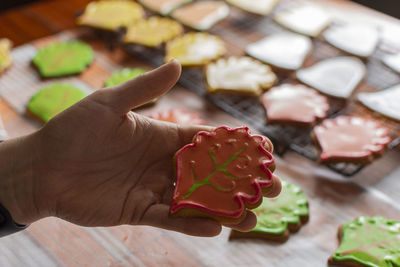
99	164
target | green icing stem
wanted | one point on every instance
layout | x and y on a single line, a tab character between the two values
51	100
274	215
373	242
66	58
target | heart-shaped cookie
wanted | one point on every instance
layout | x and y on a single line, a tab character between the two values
386	102
283	50
337	76
356	39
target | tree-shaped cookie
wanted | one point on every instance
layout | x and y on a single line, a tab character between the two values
368	241
350	139
222	173
279	216
5	54
66	58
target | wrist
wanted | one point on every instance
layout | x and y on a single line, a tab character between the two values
17	179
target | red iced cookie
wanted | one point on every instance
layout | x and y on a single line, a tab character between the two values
222	173
294	104
350	139
179	116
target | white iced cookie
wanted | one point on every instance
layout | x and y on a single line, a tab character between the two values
201	15
259	7
163	7
356	39
308	20
195	49
239	75
392	61
386	102
283	50
337	76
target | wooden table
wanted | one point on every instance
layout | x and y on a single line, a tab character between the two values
333	199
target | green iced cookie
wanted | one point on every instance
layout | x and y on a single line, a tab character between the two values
51	100
279	216
66	58
373	242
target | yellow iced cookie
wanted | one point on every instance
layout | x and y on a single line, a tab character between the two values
110	14
163	7
5	54
239	75
195	49
153	32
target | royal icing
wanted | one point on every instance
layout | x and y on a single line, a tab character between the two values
123	75
308	20
294	103
110	14
259	7
66	58
50	101
392	61
370	241
347	138
356	39
239	74
152	32
178	116
5	54
337	76
164	7
283	50
201	15
221	171
194	49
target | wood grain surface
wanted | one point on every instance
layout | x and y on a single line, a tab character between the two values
53	242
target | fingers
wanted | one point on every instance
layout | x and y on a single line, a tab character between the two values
275	189
158	216
187	133
144	88
247	224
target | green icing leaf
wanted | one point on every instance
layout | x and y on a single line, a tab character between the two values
373	242
123	75
51	100
64	58
273	215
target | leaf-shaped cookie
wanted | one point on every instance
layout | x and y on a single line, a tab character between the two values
66	58
296	104
368	241
201	15
152	32
5	54
51	100
222	173
110	14
259	7
178	116
279	216
239	75
195	49
163	7
350	139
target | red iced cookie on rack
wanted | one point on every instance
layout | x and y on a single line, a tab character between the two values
178	115
222	174
350	139
294	104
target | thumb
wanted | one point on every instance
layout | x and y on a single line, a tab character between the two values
144	88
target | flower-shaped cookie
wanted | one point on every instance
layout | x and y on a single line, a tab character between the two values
222	174
297	104
50	101
66	58
279	216
350	139
259	7
178	116
201	15
239	75
163	7
152	32
368	241
5	54
110	14
195	49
